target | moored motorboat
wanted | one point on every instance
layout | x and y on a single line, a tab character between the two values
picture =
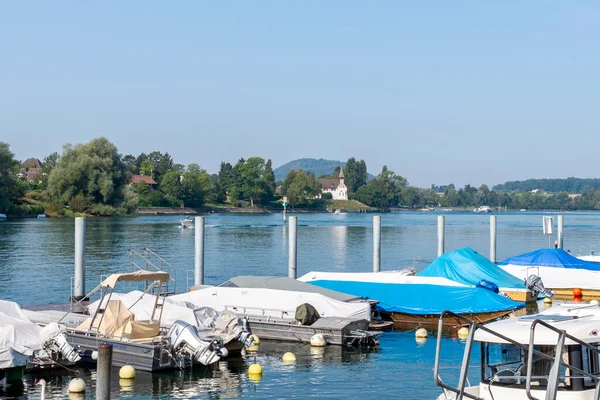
483	209
187	222
552	355
470	268
413	300
559	270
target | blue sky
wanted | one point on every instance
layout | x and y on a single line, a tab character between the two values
463	92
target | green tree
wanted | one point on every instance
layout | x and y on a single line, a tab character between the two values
130	164
301	188
171	184
269	177
195	185
147	168
94	170
11	189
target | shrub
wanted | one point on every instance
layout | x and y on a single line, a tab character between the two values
77	203
327	196
103	210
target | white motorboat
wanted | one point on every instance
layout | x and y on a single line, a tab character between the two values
483	209
187	222
559	270
41	216
550	355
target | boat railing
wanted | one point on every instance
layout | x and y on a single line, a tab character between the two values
558	362
150	260
552	377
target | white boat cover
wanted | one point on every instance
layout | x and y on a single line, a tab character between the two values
19	337
377	277
141	305
558	278
270	302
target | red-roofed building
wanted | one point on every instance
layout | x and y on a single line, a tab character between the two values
142	178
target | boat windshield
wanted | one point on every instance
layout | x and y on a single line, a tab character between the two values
506	365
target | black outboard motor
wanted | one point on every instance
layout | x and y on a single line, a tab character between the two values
534	284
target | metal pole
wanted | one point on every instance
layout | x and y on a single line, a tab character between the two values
560	231
493	238
376	243
103	370
284	217
441	232
292	248
199	252
79	281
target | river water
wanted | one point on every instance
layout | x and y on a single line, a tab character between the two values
36	261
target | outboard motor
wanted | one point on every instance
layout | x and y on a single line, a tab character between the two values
245	335
534	284
58	348
185	342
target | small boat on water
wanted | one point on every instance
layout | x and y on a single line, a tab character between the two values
483	209
559	270
41	216
187	222
470	268
289	315
551	355
414	300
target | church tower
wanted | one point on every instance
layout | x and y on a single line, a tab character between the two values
341	193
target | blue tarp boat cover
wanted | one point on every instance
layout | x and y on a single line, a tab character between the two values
468	267
557	258
423	299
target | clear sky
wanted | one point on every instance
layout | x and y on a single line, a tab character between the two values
442	91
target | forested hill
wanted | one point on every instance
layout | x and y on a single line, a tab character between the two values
318	167
569	185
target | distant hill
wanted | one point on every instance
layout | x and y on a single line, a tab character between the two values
317	166
569	185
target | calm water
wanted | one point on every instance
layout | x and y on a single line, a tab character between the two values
36	260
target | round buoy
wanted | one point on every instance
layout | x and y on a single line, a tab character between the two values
289	358
463	333
255	378
252	349
577	292
76	396
127	372
126	384
595	302
576	299
76	385
254	369
421	340
255	340
318	340
421	333
547	300
95	355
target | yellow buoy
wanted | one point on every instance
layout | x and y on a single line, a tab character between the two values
594	301
289	358
547	300
254	377
126	384
253	348
127	372
76	396
463	332
421	333
255	340
318	340
254	369
76	385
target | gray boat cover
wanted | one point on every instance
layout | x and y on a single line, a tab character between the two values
285	283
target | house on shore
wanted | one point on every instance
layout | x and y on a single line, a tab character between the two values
32	168
336	187
142	178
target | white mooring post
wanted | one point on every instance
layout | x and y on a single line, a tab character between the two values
199	251
376	243
560	231
493	238
292	248
441	233
79	280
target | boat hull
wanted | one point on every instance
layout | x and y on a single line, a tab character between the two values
523	296
414	320
141	356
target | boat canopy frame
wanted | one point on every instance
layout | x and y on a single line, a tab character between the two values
553	376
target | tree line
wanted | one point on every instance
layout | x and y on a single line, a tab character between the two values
95	178
569	185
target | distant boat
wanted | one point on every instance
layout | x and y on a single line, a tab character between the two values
187	222
523	209
337	211
483	209
41	215
2	217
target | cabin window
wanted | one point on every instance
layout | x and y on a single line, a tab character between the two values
501	361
